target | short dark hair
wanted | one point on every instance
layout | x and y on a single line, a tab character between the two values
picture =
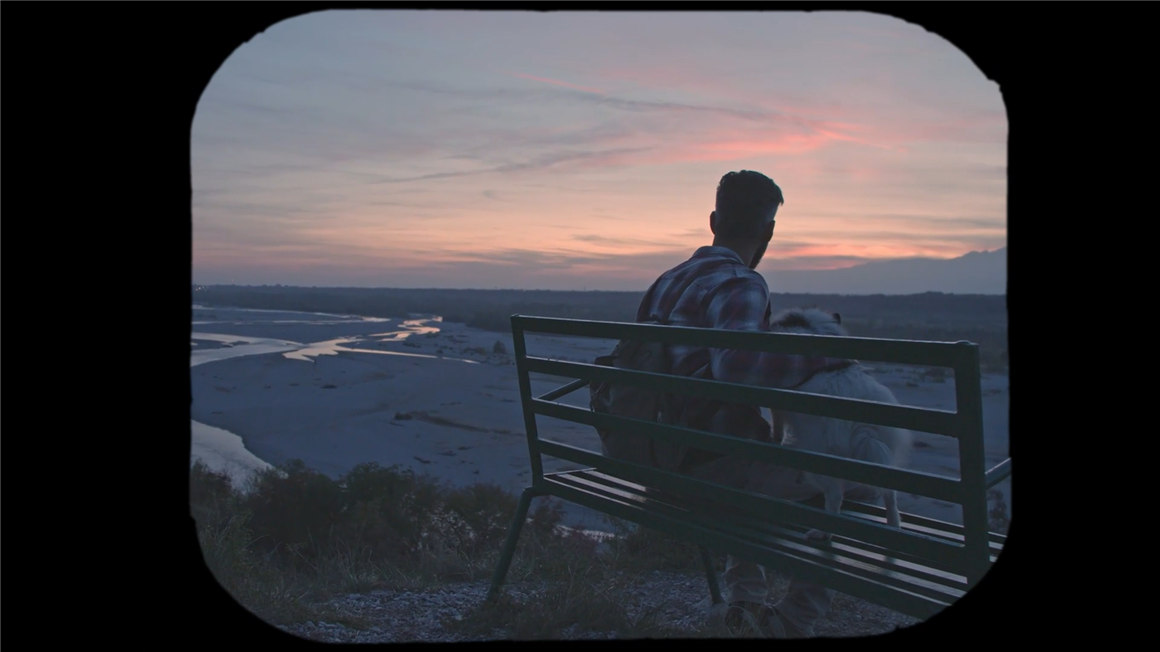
743	200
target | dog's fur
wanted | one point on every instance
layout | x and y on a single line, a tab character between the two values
866	442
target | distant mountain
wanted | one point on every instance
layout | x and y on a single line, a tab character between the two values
978	272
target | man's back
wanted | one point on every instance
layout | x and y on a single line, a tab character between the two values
719	287
715	289
712	289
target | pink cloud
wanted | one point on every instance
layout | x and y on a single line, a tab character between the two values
719	145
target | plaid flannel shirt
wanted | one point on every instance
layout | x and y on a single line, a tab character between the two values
716	289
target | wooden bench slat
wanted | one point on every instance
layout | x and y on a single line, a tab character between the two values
857	571
901	416
936	547
597	482
928	484
915	352
919	569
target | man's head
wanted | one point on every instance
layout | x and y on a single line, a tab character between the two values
743	219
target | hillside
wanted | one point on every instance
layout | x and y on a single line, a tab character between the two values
978	272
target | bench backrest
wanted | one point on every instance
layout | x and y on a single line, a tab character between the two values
555	399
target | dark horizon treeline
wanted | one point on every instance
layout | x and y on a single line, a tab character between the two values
980	318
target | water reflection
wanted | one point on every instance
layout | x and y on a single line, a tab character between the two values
232	346
402	353
314	349
209	346
224	333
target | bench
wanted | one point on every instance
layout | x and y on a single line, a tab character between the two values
918	570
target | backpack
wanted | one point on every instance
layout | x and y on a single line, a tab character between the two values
637	403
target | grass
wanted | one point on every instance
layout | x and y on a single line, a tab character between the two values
293	537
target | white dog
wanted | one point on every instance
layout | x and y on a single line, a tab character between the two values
866	442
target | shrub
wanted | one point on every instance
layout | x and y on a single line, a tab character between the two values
486	511
210	492
297	537
293	512
387	510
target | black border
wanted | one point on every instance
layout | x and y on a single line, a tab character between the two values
100	102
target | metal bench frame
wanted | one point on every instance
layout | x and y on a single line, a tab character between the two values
918	570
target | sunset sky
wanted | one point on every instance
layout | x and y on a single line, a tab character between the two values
581	150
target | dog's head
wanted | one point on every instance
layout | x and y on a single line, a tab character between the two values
808	320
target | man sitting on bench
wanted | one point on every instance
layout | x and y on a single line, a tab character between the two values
718	287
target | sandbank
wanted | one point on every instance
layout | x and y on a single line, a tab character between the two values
438	398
